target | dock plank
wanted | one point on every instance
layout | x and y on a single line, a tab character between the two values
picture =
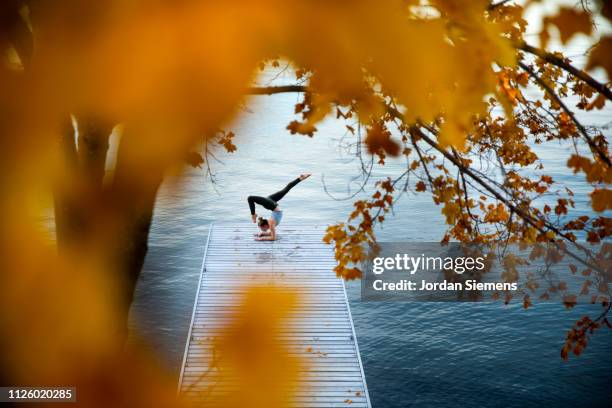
320	331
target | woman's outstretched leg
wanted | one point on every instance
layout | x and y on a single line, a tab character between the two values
280	194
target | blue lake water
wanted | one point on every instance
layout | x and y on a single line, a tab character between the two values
414	354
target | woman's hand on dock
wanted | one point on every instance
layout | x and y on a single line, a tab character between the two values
265	238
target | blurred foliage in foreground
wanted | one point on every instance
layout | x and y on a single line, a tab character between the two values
421	79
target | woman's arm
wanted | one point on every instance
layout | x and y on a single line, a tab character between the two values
270	236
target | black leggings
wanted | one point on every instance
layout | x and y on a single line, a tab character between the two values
270	202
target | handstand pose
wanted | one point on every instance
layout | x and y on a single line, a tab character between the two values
268	227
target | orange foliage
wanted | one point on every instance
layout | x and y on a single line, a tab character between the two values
172	73
251	356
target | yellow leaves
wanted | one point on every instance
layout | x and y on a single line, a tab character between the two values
174	73
444	190
511	136
335	233
182	71
569	21
567	127
226	140
422	84
510	262
601	199
478	44
75	289
451	211
550	235
508	92
595	171
453	133
251	353
351	240
511	92
530	235
510	17
347	248
597	103
369	108
424	76
601	56
497	213
318	106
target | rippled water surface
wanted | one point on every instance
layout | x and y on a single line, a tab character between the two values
415	354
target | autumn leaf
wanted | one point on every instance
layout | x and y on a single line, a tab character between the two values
601	199
526	302
601	56
194	159
569	21
262	367
226	141
597	103
379	138
451	212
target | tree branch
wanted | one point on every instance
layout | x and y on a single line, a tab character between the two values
422	160
493	6
566	66
94	134
545	55
519	211
270	90
602	155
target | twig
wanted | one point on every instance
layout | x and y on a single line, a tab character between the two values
566	66
602	155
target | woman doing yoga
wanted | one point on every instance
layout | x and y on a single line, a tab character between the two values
268	227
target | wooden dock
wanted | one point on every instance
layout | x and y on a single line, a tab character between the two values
297	259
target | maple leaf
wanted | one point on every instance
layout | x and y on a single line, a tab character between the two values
379	138
570	22
451	211
601	56
194	159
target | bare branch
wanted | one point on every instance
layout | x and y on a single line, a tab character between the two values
271	90
493	6
602	155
